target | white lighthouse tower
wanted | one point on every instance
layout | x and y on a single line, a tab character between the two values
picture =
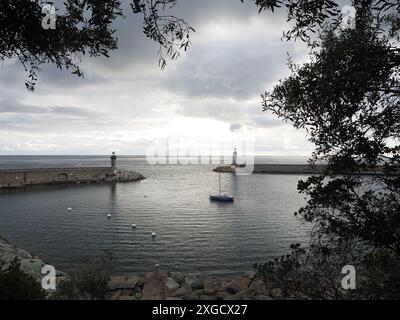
234	157
114	163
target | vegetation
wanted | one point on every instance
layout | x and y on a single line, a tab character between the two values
347	97
83	27
90	280
18	285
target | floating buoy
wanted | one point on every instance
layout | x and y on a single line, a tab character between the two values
157	265
153	234
145	196
70	209
109	216
133	226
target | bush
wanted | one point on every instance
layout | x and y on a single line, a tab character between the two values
17	285
90	280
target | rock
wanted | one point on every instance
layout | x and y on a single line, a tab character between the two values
122	282
171	284
221	295
115	295
209	287
180	292
194	295
178	277
140	283
154	286
260	286
207	297
127	298
237	284
262	297
32	266
126	292
276	293
247	294
197	284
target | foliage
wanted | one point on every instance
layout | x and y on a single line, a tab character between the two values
309	17
90	280
83	27
315	273
18	285
347	97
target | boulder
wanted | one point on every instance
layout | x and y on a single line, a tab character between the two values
276	293
178	277
207	297
247	294
122	282
196	284
193	295
171	284
260	286
237	284
127	298
154	286
115	295
262	297
180	292
209	287
221	295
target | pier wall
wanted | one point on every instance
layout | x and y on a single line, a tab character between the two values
289	168
26	177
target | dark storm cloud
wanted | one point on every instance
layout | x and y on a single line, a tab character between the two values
239	72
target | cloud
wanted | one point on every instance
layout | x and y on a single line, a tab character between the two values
235	127
126	102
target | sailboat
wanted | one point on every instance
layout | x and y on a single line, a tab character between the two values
221	196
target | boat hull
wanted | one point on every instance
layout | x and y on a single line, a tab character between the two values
221	198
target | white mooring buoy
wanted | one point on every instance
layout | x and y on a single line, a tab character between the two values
153	234
134	226
109	216
69	209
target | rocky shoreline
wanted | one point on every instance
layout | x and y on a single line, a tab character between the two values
29	263
225	169
162	285
129	176
155	285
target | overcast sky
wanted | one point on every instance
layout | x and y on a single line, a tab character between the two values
126	102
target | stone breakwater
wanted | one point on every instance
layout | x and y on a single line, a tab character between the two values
295	169
29	263
161	285
22	178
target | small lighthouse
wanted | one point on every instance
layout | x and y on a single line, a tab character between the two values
114	163
234	157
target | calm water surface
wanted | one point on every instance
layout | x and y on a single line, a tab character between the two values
193	234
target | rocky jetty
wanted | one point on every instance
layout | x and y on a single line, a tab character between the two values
29	263
161	285
129	176
225	169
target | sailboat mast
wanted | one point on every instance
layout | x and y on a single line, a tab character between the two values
219	182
